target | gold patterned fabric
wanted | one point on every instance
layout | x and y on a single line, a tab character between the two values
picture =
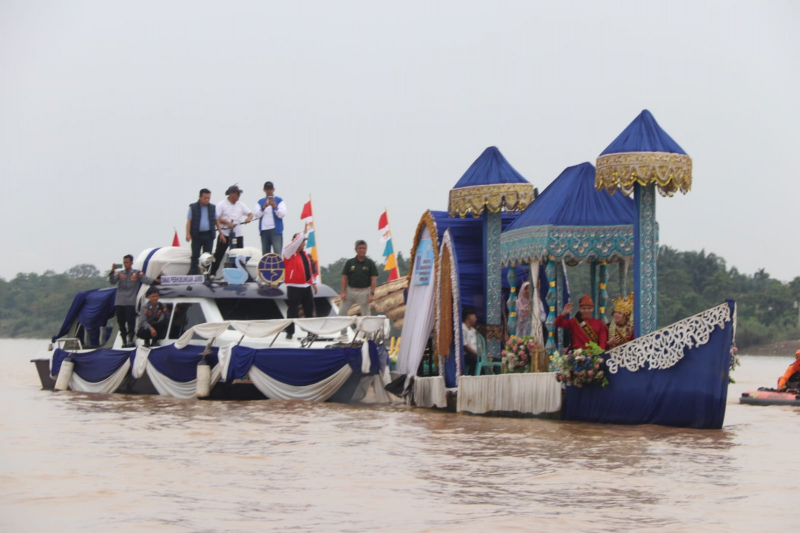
476	199
670	172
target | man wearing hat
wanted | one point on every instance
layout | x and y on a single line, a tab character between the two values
270	211
584	327
230	213
152	318
791	378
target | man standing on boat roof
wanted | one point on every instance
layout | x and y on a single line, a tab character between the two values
128	281
584	327
359	279
201	225
271	211
300	284
229	214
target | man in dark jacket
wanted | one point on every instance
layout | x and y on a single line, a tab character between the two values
201	225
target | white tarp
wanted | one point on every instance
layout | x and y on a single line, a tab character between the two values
417	323
531	393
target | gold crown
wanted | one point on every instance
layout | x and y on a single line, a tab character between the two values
624	305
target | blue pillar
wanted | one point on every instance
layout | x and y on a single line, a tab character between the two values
550	271
559	302
602	296
645	236
494	297
512	301
593	285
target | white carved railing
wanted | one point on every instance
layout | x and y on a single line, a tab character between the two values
664	348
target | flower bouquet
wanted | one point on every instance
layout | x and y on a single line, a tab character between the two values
522	355
581	367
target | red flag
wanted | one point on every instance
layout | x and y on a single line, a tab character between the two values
383	222
392	274
175	240
306	211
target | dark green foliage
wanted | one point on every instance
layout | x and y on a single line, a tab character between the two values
34	305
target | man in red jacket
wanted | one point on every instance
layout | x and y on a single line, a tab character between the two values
584	327
299	280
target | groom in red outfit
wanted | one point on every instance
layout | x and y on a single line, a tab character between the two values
584	327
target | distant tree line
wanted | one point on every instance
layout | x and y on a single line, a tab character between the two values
34	305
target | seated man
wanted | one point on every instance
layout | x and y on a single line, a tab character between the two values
469	336
152	319
620	330
791	378
584	327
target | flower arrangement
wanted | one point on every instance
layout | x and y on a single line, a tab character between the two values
520	354
581	367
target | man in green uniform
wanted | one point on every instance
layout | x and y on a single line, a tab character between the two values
359	278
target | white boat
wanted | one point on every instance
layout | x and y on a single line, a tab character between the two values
215	323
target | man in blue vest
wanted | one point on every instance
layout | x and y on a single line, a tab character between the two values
270	210
201	226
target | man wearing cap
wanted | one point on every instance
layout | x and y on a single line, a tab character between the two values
584	327
791	378
152	319
270	211
230	212
300	284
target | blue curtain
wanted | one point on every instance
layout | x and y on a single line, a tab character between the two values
299	366
93	366
180	365
690	394
91	309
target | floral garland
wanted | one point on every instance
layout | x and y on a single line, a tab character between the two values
581	367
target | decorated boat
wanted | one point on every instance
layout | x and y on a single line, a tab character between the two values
499	233
223	340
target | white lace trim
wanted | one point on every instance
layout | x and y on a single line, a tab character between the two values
663	348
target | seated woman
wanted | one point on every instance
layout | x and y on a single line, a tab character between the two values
620	330
791	378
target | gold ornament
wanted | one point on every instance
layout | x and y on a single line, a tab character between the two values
624	305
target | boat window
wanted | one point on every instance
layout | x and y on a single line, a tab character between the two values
322	306
184	317
248	309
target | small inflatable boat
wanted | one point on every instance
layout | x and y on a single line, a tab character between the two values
765	396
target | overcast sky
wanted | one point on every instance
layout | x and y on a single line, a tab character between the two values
113	115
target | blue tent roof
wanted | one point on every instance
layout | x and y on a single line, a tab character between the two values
491	168
572	220
643	135
572	200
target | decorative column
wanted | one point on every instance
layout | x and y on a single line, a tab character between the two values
550	271
559	302
602	297
623	278
494	286
512	300
644	262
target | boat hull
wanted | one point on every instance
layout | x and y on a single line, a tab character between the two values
769	397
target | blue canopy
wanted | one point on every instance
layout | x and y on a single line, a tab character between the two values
490	182
491	168
572	220
643	153
643	135
92	309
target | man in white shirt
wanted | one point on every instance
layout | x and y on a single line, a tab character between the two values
470	339
271	211
230	212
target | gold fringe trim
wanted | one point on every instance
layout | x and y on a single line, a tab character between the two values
474	200
426	220
670	172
